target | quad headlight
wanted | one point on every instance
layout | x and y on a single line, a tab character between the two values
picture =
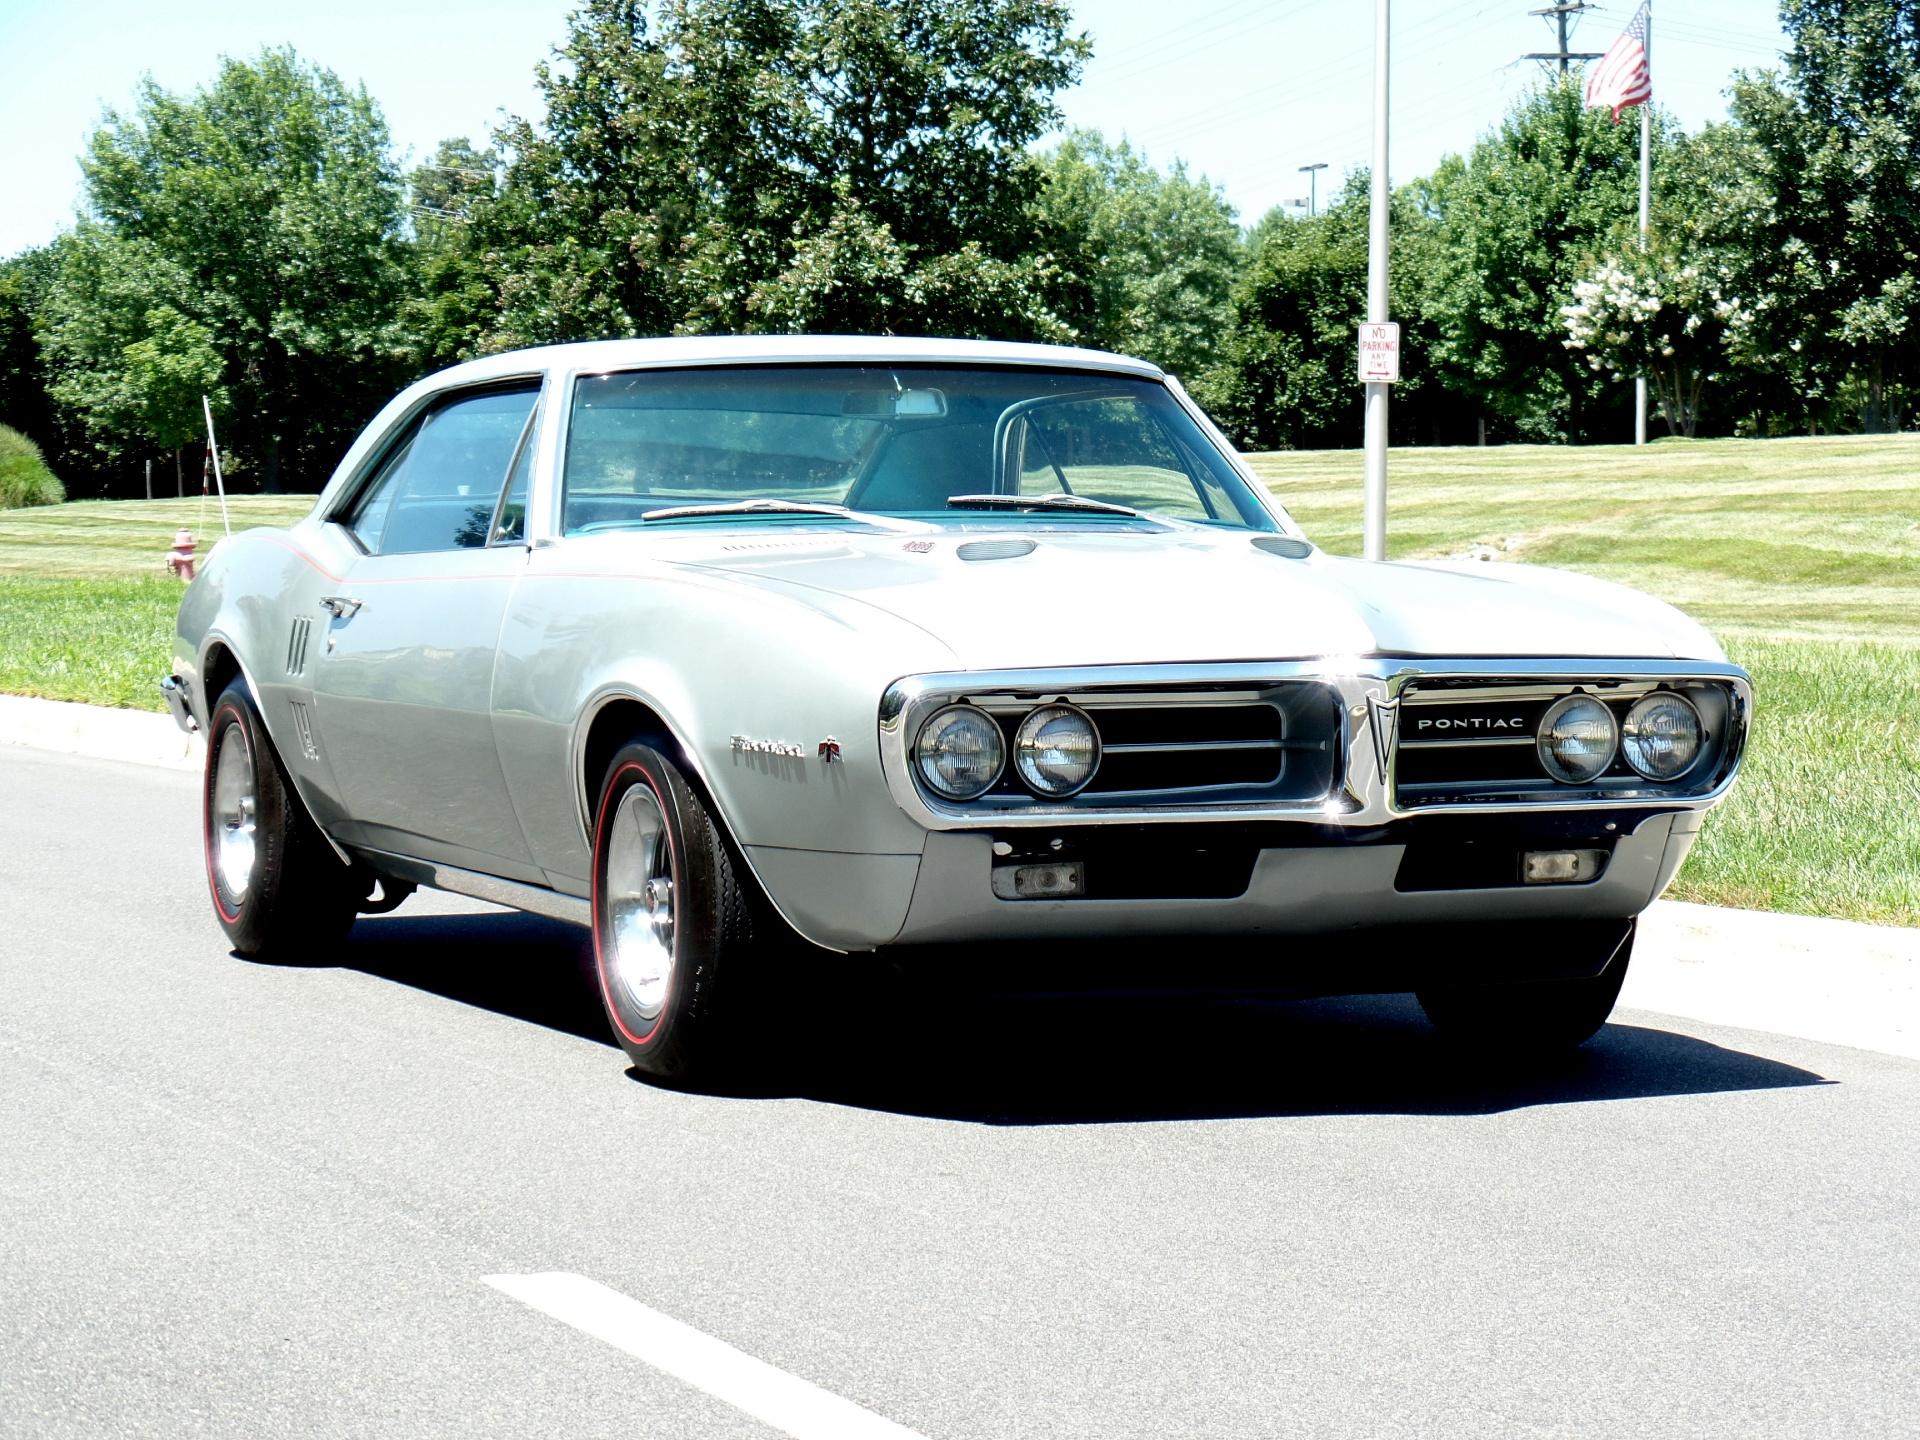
1577	739
959	752
1056	750
1662	736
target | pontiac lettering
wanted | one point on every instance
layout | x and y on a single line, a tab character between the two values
1443	724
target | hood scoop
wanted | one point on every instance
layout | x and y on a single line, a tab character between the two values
1284	546
994	549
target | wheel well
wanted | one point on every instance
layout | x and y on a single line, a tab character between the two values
618	723
221	671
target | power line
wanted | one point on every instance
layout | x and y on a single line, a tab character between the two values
1186	46
1561	10
1328	79
1158	42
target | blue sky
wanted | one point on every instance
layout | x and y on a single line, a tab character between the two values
1245	91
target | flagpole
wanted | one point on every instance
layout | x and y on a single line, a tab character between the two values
1646	187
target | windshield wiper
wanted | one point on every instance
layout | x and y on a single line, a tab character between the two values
756	507
1037	502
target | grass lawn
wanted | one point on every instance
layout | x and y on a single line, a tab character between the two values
1802	555
86	603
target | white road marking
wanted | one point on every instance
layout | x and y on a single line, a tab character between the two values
786	1402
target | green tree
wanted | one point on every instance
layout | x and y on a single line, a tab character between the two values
455	297
1288	373
128	359
783	165
23	382
1516	222
1826	200
245	239
1663	312
1158	253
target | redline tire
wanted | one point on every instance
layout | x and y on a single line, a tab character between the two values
675	923
278	889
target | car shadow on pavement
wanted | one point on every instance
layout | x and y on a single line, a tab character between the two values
1093	1060
875	1039
522	966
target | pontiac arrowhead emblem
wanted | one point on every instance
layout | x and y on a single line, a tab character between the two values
1383	715
829	749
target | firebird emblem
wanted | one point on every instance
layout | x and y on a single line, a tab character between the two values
829	750
746	745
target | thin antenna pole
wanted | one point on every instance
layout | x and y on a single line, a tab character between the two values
213	449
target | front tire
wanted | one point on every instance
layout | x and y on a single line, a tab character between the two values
1529	1017
674	923
278	889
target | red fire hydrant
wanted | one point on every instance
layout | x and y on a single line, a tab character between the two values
180	558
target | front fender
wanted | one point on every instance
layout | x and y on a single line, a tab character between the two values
716	657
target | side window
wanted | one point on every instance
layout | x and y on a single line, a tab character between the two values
440	487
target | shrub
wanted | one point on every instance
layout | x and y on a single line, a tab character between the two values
24	476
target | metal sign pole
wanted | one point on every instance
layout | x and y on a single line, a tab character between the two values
1376	513
1646	188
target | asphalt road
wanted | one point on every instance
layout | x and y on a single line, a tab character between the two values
254	1201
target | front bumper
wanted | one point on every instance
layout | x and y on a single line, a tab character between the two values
180	703
1297	884
1295	890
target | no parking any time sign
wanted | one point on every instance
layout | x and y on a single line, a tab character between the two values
1380	354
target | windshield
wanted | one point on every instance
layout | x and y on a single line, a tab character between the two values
893	440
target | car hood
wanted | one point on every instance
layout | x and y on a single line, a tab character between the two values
1009	598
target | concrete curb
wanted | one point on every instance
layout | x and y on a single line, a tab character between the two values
138	736
1834	981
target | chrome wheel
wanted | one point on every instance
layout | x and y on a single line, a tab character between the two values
234	810
639	889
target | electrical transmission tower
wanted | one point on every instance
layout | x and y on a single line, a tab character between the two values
1560	10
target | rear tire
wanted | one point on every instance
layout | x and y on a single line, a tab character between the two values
278	889
1529	1017
676	926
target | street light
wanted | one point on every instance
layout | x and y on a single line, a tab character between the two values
1313	184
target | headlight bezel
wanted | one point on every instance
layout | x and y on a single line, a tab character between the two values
927	774
1030	725
1700	737
1542	747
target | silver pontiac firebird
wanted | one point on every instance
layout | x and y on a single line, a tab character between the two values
729	647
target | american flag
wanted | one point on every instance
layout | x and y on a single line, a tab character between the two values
1621	78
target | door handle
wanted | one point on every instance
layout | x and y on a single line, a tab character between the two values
344	606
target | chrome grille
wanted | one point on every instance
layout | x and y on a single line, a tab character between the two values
1467	741
1276	742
